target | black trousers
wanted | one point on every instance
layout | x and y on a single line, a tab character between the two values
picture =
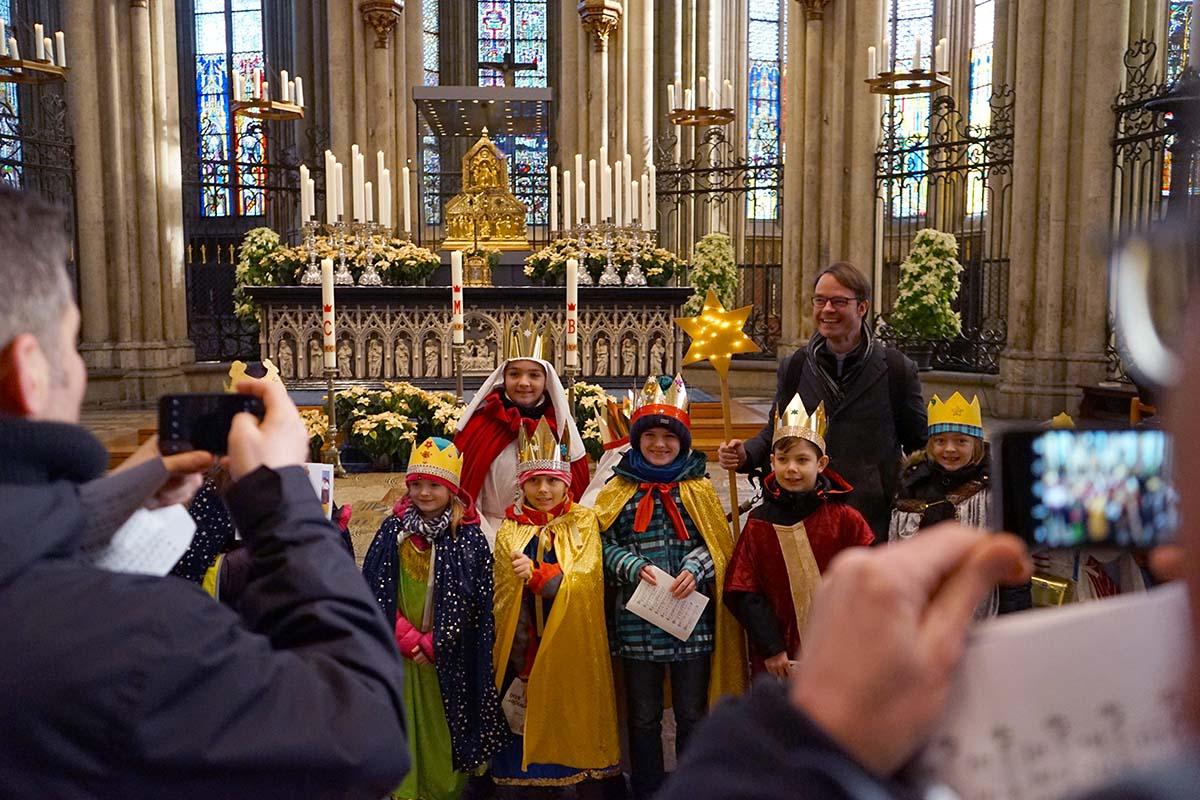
644	704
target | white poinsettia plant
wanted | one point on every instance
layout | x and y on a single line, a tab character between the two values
713	267
928	287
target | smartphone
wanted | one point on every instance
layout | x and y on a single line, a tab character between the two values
201	421
1085	487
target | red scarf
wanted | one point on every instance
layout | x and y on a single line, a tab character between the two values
525	515
492	428
645	508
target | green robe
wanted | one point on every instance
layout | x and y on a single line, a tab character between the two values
432	777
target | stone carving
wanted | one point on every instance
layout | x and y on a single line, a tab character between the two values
345	359
403	358
658	356
629	355
600	356
430	358
374	357
316	362
287	360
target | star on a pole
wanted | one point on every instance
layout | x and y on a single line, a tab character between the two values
717	334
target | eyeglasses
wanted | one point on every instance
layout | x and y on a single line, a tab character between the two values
837	302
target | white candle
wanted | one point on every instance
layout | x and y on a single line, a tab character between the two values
48	48
369	200
687	99
579	166
358	176
341	189
606	193
312	199
916	61
572	312
291	90
237	86
39	42
3	40
379	163
604	154
385	199
629	196
593	207
553	199
702	92
567	220
580	203
299	91
671	97
406	187
13	50
727	89
456	297
329	340
618	203
258	85
936	63
871	71
886	66
265	94
652	216
635	201
283	86
303	194
330	188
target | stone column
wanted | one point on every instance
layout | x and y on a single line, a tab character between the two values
568	120
642	84
1066	78
601	18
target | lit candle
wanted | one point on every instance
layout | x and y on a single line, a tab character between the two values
341	190
871	71
358	179
369	200
299	91
580	203
39	42
606	193
702	92
456	297
635	200
283	86
593	208
303	194
406	187
670	96
572	312
553	199
916	62
331	204
329	340
385	199
567	220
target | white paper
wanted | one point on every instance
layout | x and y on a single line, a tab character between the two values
149	543
1051	702
513	705
658	606
321	477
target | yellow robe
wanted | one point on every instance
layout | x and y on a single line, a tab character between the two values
570	716
702	504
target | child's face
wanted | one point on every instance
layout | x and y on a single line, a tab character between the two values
429	497
659	446
796	468
524	382
952	451
544	492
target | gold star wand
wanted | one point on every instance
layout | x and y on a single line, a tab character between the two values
717	336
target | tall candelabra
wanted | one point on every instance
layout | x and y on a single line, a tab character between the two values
329	451
642	240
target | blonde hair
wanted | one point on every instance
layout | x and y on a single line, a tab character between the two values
457	509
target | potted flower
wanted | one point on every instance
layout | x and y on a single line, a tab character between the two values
316	424
924	308
590	402
386	437
713	267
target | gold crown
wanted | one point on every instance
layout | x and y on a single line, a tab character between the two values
237	374
955	415
796	421
1063	420
541	451
652	394
614	421
526	341
437	457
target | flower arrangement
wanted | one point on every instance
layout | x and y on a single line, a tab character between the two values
549	265
590	402
263	260
928	286
387	437
371	418
315	423
713	267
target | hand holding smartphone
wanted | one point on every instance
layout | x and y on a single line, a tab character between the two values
201	421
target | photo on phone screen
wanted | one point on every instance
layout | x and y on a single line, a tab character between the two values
1089	488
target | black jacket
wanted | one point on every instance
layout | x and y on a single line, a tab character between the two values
881	412
120	685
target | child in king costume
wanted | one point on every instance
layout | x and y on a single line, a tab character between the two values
614	433
789	540
431	570
522	390
950	480
659	510
551	656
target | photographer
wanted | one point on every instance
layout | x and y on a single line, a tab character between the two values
134	686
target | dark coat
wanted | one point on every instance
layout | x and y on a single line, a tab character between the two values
121	685
867	430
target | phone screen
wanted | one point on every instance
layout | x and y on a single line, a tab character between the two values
201	421
1089	488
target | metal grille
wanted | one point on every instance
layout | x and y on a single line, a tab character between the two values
957	178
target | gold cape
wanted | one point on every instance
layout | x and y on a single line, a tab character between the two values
704	507
571	708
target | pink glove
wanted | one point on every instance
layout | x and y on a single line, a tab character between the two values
427	645
408	638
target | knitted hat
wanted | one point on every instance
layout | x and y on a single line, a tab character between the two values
662	403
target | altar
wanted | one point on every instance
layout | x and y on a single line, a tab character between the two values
402	333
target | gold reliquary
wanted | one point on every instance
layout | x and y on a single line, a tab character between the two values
485	214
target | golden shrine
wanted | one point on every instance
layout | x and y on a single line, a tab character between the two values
485	214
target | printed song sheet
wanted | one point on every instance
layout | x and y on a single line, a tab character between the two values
150	543
1055	701
658	606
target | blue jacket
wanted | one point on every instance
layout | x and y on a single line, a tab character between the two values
119	685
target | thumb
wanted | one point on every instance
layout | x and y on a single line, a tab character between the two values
243	427
188	463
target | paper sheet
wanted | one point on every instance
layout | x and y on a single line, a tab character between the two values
321	478
149	543
1051	702
658	606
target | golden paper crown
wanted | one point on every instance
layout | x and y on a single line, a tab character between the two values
526	341
237	374
436	457
653	400
1063	420
614	422
955	415
541	451
796	421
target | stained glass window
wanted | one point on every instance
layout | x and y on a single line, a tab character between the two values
229	36
430	42
907	20
519	27
979	109
10	120
1179	34
766	49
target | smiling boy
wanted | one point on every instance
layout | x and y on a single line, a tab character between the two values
789	540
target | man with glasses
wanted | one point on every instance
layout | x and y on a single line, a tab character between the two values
871	394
